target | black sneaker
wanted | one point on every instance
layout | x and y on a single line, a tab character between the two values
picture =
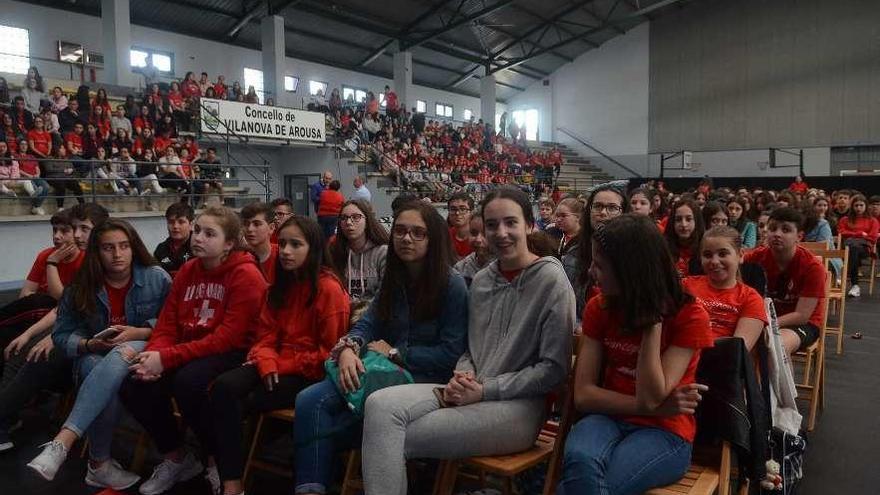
5	441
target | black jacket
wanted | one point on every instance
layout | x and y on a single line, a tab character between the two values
169	260
733	408
67	119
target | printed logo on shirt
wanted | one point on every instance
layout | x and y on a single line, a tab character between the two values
205	291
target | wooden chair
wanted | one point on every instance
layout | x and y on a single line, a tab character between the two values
252	462
814	245
814	368
703	477
547	448
352	482
836	295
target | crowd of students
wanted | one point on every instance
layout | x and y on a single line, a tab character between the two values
236	314
51	142
436	159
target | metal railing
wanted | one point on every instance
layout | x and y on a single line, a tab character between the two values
597	150
103	180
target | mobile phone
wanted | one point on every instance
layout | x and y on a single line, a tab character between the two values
438	392
107	333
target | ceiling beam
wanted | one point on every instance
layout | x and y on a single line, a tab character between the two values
403	32
571	8
540	17
245	19
451	26
605	25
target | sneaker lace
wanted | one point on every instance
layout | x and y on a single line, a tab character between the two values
54	447
163	470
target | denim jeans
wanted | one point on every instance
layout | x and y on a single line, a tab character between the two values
604	456
41	190
324	425
97	407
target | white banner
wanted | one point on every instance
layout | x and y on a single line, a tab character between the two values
253	120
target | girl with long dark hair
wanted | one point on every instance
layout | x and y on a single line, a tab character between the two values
418	320
859	232
519	349
737	218
683	235
104	320
306	314
636	369
359	250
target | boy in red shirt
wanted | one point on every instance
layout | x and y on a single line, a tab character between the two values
795	279
258	222
460	206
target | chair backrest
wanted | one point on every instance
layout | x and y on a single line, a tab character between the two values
812	245
829	254
568	416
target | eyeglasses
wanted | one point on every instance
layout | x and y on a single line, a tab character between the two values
461	209
355	218
416	233
611	208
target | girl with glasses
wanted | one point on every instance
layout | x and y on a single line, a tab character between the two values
418	319
607	201
359	250
568	220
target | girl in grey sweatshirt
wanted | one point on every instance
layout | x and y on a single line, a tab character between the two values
519	349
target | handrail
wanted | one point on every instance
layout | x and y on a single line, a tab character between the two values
597	150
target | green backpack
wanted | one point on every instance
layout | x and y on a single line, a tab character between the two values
380	373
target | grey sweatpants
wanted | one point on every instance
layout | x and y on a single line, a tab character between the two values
406	422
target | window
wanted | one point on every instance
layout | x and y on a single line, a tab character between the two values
142	58
468	114
529	119
359	95
443	110
139	58
254	77
16	50
498	122
421	106
382	101
291	83
315	86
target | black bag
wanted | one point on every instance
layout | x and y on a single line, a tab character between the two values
788	450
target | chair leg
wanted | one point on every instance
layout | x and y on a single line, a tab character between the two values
140	452
253	450
871	283
352	467
840	325
814	396
724	471
808	362
447	473
508	486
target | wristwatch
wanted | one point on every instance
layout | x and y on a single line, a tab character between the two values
394	355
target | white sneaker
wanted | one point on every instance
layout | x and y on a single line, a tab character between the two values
213	477
50	459
38	210
855	291
110	475
169	473
145	192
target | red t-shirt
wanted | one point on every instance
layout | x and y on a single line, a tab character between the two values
511	274
684	258
803	277
66	271
27	164
42	141
462	247
689	328
74	143
268	266
726	306
330	203
116	298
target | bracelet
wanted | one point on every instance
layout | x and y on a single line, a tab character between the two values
52	263
86	345
342	344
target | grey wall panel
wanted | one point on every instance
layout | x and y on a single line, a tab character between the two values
739	74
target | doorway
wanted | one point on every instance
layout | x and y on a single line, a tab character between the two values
529	119
296	188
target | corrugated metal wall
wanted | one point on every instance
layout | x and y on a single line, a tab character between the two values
735	74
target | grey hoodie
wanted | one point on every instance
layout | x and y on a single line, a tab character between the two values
520	332
363	276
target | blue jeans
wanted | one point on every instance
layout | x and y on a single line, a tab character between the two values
324	425
97	407
604	456
42	189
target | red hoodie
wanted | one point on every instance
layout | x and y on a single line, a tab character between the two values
866	224
209	312
296	339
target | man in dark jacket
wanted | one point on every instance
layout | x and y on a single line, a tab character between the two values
174	251
68	117
318	187
22	118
